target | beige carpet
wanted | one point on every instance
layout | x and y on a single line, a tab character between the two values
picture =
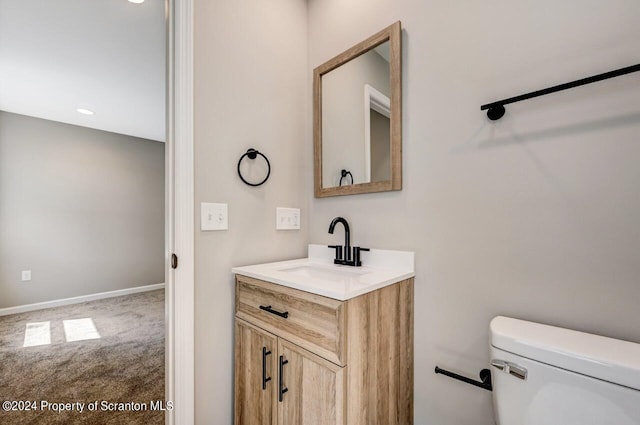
124	364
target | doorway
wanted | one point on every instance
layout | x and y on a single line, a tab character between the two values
177	147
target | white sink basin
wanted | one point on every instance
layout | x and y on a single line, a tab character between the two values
325	272
317	273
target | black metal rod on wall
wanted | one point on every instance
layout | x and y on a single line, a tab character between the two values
495	110
485	376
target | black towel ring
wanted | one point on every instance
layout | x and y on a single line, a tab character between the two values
344	174
253	154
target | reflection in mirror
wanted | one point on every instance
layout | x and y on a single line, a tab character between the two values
377	135
358	118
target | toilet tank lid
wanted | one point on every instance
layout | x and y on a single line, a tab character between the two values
599	357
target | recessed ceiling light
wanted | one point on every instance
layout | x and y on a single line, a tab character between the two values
136	1
85	111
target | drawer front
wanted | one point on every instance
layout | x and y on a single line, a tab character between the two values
311	321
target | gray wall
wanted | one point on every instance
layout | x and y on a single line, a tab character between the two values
380	147
250	91
82	209
536	216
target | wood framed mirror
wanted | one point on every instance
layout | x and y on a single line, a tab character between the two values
357	118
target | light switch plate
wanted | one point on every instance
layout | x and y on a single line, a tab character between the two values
214	216
287	218
26	275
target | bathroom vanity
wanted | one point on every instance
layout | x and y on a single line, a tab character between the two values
324	344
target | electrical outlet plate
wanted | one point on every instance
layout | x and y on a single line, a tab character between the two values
214	216
26	275
287	218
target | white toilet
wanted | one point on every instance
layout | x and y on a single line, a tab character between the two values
543	375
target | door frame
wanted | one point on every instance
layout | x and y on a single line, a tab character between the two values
179	210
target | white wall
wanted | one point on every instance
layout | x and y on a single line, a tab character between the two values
250	91
83	209
536	216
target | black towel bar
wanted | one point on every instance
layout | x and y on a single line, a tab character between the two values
495	110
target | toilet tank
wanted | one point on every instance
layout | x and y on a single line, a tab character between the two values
544	375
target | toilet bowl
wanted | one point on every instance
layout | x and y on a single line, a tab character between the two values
544	375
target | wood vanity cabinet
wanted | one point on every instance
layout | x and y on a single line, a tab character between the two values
305	359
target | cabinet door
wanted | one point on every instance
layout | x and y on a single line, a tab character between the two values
255	375
312	388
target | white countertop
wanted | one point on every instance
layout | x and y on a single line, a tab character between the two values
318	275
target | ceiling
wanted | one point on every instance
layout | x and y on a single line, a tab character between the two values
107	56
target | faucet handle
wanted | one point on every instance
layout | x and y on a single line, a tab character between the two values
338	249
356	255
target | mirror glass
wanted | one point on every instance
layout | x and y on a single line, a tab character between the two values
357	118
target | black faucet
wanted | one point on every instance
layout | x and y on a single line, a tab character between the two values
347	239
345	260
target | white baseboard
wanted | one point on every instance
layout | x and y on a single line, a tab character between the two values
77	300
